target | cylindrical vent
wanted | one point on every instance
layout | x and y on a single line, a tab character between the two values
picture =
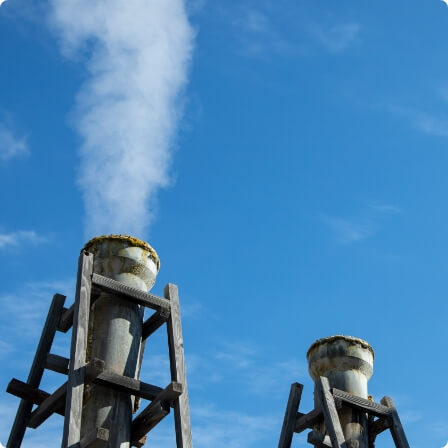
347	362
115	332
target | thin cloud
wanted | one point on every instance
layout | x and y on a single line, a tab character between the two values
138	54
192	310
428	122
221	427
443	92
29	306
158	367
11	145
439	426
5	349
273	376
431	124
336	38
386	208
348	231
47	436
195	6
409	416
251	20
14	239
217	427
239	356
230	429
256	21
8	409
257	34
363	225
240	361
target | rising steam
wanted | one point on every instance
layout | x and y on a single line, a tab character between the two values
137	54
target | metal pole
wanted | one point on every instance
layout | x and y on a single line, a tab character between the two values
347	362
115	331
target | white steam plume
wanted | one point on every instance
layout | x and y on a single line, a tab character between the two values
128	109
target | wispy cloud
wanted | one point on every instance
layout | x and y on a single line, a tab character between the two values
48	435
336	38
349	231
138	55
14	239
5	348
438	427
8	408
215	426
29	305
11	144
429	120
239	361
256	22
230	365
192	309
195	6
362	225
443	92
239	356
230	429
385	208
257	34
410	416
157	365
431	124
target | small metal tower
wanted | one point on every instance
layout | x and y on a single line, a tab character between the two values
346	418
91	376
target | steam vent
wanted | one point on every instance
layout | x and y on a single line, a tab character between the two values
344	415
115	329
347	363
128	260
101	394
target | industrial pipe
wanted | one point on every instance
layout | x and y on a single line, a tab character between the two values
347	362
115	332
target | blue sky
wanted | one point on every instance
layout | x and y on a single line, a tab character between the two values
287	163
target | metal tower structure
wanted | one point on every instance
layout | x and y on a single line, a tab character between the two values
344	416
87	374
